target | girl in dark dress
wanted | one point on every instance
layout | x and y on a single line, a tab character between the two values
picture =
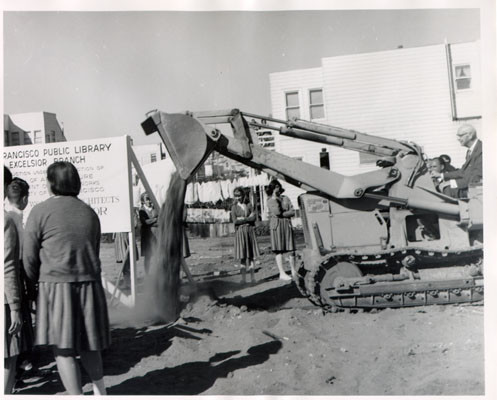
280	213
246	248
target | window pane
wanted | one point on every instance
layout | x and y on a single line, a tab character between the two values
293	113
317	112
463	83
316	97
463	71
15	138
6	138
292	99
37	137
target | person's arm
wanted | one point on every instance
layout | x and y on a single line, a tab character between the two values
252	214
456	174
274	207
454	178
237	220
473	172
98	236
31	248
145	220
11	271
11	265
288	208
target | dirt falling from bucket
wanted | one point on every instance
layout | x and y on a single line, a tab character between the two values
163	281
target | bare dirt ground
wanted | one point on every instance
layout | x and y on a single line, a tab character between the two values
265	339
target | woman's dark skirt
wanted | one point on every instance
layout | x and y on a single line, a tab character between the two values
246	246
72	315
282	239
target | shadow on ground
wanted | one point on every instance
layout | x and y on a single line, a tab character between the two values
139	343
255	297
195	377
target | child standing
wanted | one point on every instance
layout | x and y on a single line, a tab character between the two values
246	247
148	218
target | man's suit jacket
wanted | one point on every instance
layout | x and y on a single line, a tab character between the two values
471	171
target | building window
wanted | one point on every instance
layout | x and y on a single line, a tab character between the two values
47	138
52	136
316	105
6	138
462	76
14	139
292	105
153	157
37	137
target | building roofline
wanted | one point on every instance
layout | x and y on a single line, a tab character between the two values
371	52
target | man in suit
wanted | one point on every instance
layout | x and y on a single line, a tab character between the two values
472	170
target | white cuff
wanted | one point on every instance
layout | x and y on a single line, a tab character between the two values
453	184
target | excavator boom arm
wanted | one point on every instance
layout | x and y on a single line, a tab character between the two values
190	138
189	142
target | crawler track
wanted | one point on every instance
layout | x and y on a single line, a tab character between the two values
412	292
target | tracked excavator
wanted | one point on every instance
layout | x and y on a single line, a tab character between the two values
380	239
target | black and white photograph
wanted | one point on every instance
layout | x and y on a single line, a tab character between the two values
249	198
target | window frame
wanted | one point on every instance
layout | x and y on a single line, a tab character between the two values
37	135
311	105
12	135
470	77
287	107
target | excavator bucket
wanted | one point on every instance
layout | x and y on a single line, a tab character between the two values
184	137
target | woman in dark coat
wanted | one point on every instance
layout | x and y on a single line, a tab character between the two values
61	252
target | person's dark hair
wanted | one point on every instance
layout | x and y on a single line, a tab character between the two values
63	178
445	158
18	189
7	176
246	196
440	160
270	188
239	190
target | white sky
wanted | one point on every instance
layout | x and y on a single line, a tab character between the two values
100	72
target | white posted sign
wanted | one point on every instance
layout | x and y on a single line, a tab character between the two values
103	168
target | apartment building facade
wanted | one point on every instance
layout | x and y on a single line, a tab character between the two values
32	128
418	94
